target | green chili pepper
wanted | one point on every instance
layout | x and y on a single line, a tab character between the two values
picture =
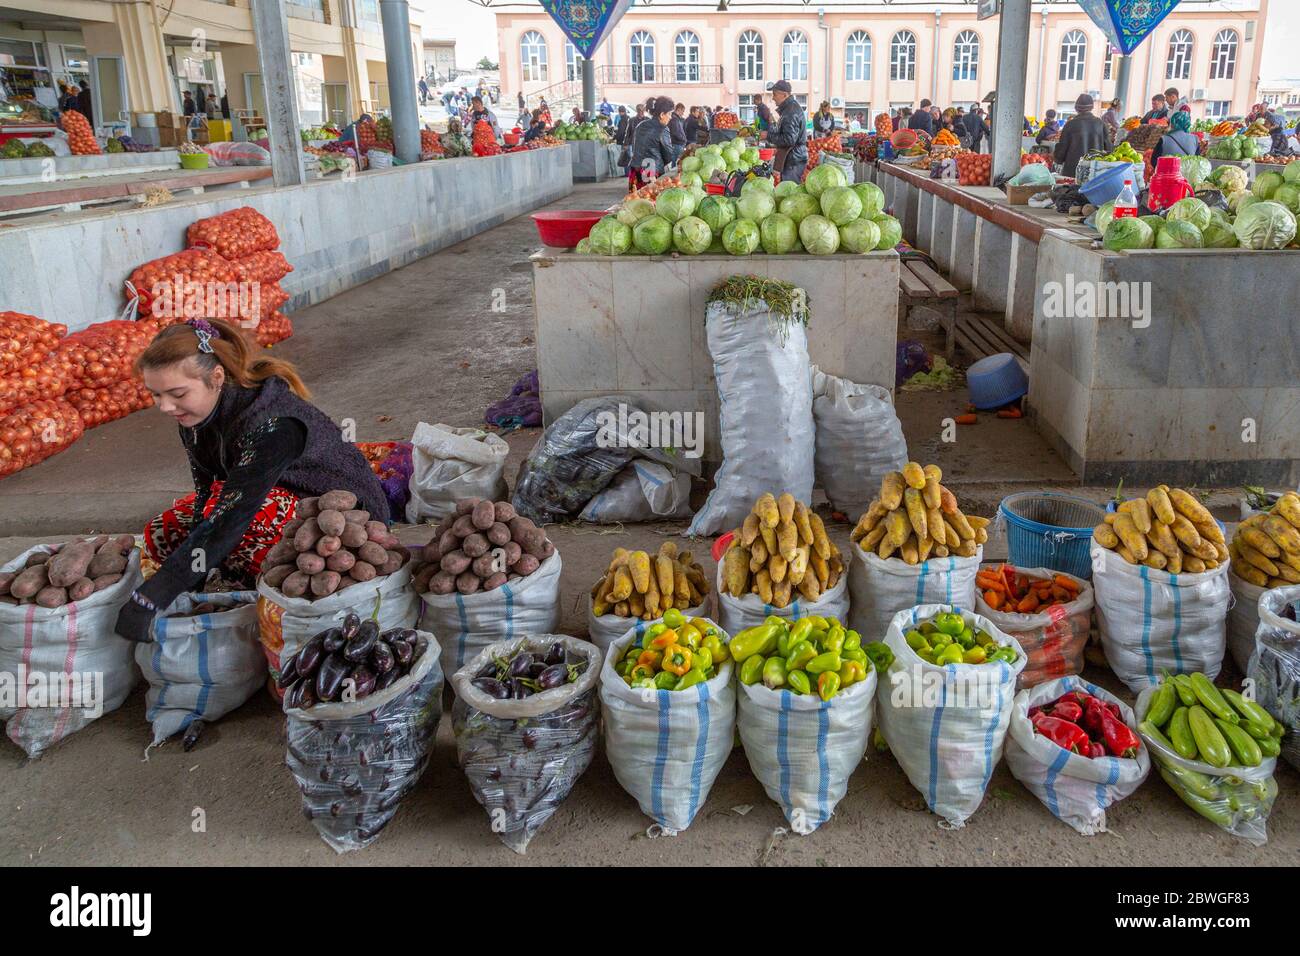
760	641
798	631
852	639
799	682
880	655
800	655
824	663
690	679
774	673
751	670
665	680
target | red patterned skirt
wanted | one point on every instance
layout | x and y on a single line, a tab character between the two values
167	532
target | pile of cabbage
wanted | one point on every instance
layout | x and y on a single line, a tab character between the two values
822	216
1262	216
700	167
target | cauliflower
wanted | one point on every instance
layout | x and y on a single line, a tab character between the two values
1232	179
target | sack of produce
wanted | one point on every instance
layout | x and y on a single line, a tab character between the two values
486	575
1275	666
859	440
758	338
642	491
1075	747
637	590
805	709
780	562
669	709
1216	749
205	661
57	424
234	234
1265	554
358	737
945	703
913	545
56	631
525	719
1160	578
452	464
1053	627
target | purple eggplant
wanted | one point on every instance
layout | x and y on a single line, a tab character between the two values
387	678
288	673
293	693
554	676
351	624
382	657
329	679
309	657
308	696
359	647
364	679
492	687
536	671
520	665
404	652
517	689
333	639
556	654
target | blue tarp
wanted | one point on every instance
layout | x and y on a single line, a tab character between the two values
1127	23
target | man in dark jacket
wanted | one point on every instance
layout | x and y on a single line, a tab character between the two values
620	124
651	152
921	119
1084	133
677	130
976	127
789	135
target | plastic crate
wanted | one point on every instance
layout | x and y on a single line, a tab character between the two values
1047	530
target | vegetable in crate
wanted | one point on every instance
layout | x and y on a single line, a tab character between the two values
638	585
1168	530
349	662
1085	725
1003	589
479	547
1265	549
946	638
916	518
781	553
809	655
677	653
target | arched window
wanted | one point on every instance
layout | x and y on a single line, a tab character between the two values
572	63
686	53
1179	65
1074	56
643	57
794	56
751	56
1223	62
857	56
532	51
966	56
902	56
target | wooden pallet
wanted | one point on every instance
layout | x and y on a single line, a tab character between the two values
985	337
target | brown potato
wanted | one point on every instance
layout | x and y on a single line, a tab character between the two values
338	501
466	505
484	515
40	557
468	583
420	581
306	537
442	582
448	541
296	584
123	543
51	596
309	562
341	561
331	522
455	562
81	589
282	552
106	581
307	508
6	579
70	564
533	541
463	526
29	581
372	552
108	563
356	516
392	563
518	525
363	571
494	581
498	534
527	564
275	575
513	553
483	566
503	511
328	545
354	535
475	545
100	541
431	553
325	583
291	528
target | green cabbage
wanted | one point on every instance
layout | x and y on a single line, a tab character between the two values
1103	216
778	233
873	199
691	181
634	210
675	203
756	205
1239	202
1265	225
609	237
1266	184
823	177
860	235
1128	233
891	232
787	187
1195	169
758	184
708	166
717	211
1155	222
691	236
750	155
1179	234
1292	172
1190	210
653	235
799	206
1219	235
1288	194
819	235
841	205
741	237
583	248
691	164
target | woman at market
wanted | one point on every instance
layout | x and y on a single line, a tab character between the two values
255	446
651	152
1082	134
1050	129
1178	141
764	114
790	135
1112	120
694	125
823	120
536	128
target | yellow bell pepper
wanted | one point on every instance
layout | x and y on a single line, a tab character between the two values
677	660
650	659
664	640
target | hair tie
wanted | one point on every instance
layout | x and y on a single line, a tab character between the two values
206	332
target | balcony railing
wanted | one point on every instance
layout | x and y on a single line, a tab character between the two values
660	74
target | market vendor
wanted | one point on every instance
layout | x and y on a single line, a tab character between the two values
255	446
536	128
651	152
824	120
1084	133
1179	141
790	134
477	112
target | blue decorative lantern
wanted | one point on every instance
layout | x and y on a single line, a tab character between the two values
586	22
1127	23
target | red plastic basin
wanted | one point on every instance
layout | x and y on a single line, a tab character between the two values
715	189
767	155
564	228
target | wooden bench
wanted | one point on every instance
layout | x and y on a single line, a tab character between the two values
921	285
985	337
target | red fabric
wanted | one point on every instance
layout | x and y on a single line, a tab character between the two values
167	532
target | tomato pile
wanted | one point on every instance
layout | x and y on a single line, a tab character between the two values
819	144
974	169
430	144
81	138
235	234
34	432
725	119
485	141
1027	158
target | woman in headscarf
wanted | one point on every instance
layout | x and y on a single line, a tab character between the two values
1179	141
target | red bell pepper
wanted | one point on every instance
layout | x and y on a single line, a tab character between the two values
1064	734
1098	749
1066	710
1092	717
1120	739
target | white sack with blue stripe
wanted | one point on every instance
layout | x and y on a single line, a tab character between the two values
608	628
738	613
1243	619
642	491
466	623
1076	789
880	588
760	362
859	440
76	643
201	667
667	746
946	725
803	749
1152	621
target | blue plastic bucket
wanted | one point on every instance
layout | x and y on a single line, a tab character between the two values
1105	187
1047	530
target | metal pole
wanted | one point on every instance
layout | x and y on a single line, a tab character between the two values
588	87
396	19
1121	84
1009	108
271	31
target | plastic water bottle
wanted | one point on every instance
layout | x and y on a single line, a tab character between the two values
1126	203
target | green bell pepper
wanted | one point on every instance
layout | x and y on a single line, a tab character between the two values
856	654
674	618
946	622
799	682
665	680
952	654
690	679
760	641
717	650
834	640
824	663
880	655
774	672
702	659
852	640
751	671
915	640
800	655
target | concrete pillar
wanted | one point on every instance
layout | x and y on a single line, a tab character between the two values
1013	67
1022	288
963	248
396	18
271	28
588	87
148	78
1121	84
941	234
992	252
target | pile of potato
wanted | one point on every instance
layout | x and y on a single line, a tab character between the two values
781	552
480	547
916	518
73	572
330	546
1168	530
1265	549
637	585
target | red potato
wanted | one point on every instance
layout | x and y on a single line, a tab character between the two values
475	545
494	581
548	549
328	545
296	585
277	573
81	589
357	516
307	537
468	583
448	542
393	563
534	543
331	523
325	583
353	536
442	582
483	566
526	565
443	525
466	505
455	562
51	596
29	582
39	558
483	515
123	543
282	552
338	501
463	526
388	542
70	564
106	581
309	562
341	561
513	553
363	571
107	563
518	525
100	541
6	579
372	553
431	553
421	580
291	528
498	534
307	508
503	511
375	529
